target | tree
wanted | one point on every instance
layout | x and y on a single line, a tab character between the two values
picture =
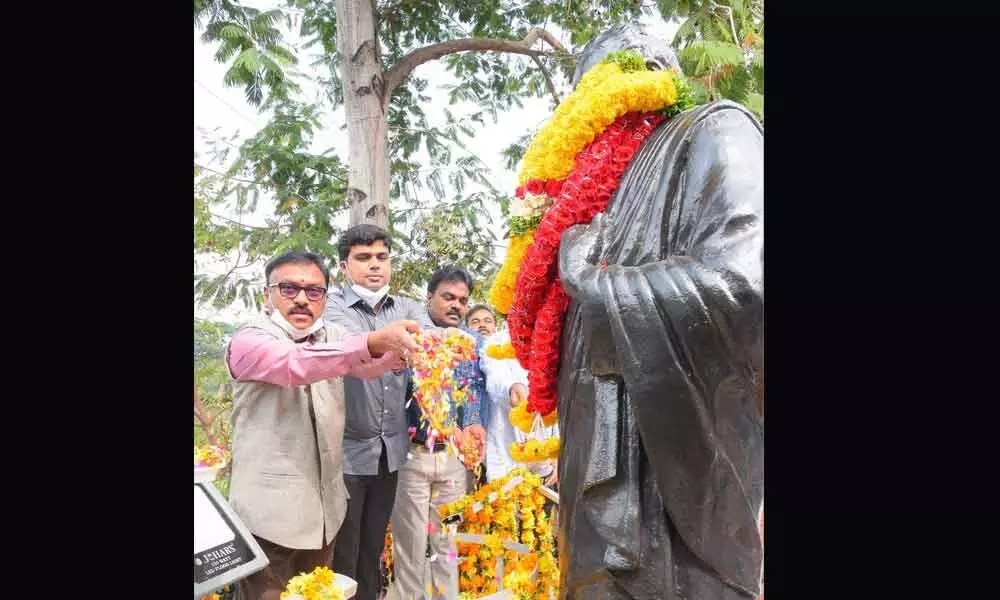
722	48
213	397
502	51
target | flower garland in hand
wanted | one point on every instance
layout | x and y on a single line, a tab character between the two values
525	421
317	585
570	172
536	448
435	387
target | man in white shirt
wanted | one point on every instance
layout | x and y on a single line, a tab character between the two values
507	386
505	381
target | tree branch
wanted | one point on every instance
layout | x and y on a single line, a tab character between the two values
271	184
548	79
732	24
206	422
402	69
231	178
239	224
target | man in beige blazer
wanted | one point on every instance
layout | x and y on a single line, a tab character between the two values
288	418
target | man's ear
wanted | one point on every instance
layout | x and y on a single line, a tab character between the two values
267	299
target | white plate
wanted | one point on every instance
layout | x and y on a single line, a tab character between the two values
347	584
207	474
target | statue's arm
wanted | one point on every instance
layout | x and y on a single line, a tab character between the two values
687	334
724	219
578	274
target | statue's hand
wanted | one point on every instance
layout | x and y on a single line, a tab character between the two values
578	252
580	267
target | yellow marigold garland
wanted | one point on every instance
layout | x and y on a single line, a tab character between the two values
530	451
619	85
502	292
387	551
500	352
604	93
525	421
317	585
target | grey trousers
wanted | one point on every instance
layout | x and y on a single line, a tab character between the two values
426	481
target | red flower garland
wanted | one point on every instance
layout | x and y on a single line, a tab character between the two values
536	314
537	186
543	372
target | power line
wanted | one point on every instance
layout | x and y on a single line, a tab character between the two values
228	105
264	183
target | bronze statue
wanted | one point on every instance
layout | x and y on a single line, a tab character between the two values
662	465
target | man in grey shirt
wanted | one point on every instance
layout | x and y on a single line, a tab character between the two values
375	435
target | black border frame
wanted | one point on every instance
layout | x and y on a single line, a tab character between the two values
877	188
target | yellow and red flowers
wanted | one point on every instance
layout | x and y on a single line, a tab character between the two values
569	174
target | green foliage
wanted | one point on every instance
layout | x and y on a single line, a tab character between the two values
209	354
722	49
515	152
453	233
627	60
306	190
249	40
685	97
700	58
521	225
213	385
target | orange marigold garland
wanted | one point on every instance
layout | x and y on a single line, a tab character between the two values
507	509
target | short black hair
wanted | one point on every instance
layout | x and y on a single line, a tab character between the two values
295	258
478	308
365	234
450	273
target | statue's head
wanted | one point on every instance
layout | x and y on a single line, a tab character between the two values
630	36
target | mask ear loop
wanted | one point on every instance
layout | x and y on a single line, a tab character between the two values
269	305
342	267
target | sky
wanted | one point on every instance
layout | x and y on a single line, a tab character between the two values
225	110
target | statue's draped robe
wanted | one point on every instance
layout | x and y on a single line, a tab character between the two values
662	465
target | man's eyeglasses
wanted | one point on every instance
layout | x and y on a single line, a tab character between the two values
291	291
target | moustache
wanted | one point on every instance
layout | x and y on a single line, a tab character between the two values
300	311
